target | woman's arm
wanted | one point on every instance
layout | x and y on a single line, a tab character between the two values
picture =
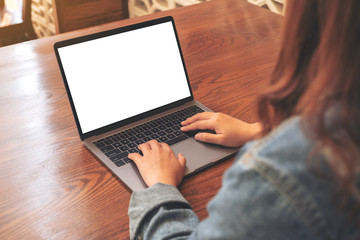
160	212
246	207
229	131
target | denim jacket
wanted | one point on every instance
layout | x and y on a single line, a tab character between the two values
269	193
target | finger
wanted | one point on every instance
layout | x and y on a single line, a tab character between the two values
165	145
208	137
201	124
182	160
166	148
135	157
154	144
145	147
196	117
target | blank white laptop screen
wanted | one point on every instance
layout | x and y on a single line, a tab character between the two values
122	75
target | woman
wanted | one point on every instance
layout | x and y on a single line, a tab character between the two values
298	175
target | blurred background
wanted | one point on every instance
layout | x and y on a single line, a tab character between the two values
22	20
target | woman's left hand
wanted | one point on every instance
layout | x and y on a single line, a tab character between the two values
159	164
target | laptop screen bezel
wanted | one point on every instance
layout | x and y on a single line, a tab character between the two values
135	118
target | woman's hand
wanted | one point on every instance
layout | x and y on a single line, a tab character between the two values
159	164
229	131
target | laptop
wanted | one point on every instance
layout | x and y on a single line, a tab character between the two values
127	86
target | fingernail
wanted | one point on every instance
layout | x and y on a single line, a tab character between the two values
197	136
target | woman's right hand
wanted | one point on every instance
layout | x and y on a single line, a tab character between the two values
229	131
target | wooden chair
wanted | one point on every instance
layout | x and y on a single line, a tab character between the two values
72	15
18	32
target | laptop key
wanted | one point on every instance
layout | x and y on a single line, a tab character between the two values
119	156
160	121
163	139
154	130
146	139
124	148
181	114
130	133
192	133
178	133
169	124
112	152
132	139
115	139
131	145
140	135
138	130
162	133
138	142
107	149
176	127
123	135
125	141
153	124
119	163
99	144
154	136
127	160
167	119
108	142
134	150
147	133
117	144
170	136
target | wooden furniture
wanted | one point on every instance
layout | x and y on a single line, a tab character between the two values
43	18
72	15
144	7
276	6
52	187
15	32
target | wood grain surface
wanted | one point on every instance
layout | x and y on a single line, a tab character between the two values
51	186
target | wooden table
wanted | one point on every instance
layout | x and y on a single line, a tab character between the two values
51	186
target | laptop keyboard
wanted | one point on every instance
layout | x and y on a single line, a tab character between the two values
164	129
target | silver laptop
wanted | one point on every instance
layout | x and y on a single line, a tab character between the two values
127	86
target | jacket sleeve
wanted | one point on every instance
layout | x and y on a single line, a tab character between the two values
160	212
246	207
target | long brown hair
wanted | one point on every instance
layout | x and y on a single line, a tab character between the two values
317	76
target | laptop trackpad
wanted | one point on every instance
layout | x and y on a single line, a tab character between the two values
200	154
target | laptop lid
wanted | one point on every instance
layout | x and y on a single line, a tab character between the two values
119	76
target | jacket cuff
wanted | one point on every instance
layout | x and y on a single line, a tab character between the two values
144	201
